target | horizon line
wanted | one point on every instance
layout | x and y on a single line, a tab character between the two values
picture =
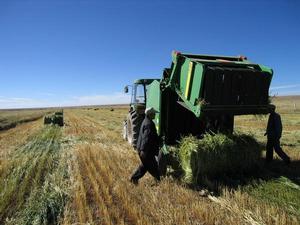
101	105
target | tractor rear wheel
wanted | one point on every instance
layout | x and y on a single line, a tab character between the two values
134	122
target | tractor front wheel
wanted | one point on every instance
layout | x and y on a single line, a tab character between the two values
133	125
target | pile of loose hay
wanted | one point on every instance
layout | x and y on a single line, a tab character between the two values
217	155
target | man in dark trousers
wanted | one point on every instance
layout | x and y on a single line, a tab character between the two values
148	148
273	132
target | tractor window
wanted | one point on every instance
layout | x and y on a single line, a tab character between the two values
139	95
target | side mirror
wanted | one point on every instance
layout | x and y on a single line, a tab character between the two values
126	89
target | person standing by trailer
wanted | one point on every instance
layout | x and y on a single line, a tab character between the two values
148	148
273	132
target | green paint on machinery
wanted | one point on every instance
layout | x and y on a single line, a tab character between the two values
56	118
198	94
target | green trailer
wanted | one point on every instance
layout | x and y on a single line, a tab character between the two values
198	94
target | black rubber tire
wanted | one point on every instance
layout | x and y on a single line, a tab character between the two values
134	122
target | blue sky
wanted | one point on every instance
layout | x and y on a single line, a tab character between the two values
72	52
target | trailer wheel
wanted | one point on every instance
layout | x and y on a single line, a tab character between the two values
134	122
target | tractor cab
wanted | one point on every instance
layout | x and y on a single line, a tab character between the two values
138	94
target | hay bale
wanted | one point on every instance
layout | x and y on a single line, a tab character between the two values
58	120
47	120
218	155
60	113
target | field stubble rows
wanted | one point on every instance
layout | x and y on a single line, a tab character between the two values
79	175
33	182
102	194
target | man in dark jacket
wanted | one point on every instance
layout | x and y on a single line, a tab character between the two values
148	148
273	132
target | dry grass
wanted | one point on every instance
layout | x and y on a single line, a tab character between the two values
103	194
12	139
102	164
11	118
287	104
33	182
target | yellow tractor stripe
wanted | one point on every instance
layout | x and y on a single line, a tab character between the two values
188	82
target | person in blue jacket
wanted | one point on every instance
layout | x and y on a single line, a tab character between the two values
273	132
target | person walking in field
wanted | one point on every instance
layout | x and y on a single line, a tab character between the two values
148	148
273	132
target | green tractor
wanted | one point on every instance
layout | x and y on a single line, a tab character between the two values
198	94
136	113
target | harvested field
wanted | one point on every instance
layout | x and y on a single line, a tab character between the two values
11	118
79	174
33	182
14	138
101	157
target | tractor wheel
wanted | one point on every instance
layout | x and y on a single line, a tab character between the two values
134	122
